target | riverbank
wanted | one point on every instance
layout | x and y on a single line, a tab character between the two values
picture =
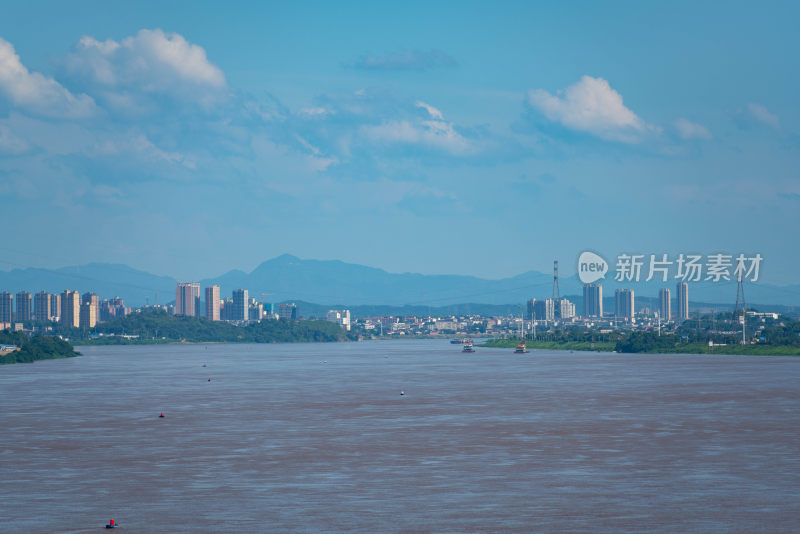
31	349
595	346
149	328
685	348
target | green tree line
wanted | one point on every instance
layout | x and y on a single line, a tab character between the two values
155	326
34	347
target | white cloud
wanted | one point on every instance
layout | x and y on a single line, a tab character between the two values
435	133
591	106
150	62
439	135
317	160
432	111
342	121
691	130
763	115
36	93
317	111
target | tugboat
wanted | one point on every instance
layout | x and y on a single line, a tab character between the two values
521	349
468	346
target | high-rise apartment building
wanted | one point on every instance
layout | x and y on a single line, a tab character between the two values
90	308
287	311
592	300
110	309
105	311
241	303
6	307
566	309
256	311
41	307
88	314
212	303
187	298
683	301
529	309
543	310
92	298
71	308
24	307
226	309
664	304
625	308
55	307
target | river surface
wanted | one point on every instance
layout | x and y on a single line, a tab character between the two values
318	438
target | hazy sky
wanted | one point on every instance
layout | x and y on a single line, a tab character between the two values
473	138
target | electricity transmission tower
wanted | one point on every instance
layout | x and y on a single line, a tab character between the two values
736	309
556	291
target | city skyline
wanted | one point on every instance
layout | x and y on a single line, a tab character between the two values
87	311
409	135
334	282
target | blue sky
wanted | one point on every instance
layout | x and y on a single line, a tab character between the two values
189	138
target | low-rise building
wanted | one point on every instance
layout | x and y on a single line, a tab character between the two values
340	317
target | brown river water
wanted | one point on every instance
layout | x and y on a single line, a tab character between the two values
318	438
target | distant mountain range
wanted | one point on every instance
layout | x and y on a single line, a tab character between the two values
336	283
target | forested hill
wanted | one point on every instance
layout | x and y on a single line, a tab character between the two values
34	348
159	326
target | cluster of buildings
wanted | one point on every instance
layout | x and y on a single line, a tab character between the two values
72	309
238	308
390	325
68	308
625	304
551	311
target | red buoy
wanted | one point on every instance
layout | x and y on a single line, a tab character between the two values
111	522
162	414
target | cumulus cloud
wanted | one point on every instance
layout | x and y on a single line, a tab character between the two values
591	105
152	62
763	115
691	130
406	60
36	93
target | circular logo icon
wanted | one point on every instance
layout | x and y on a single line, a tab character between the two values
591	267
